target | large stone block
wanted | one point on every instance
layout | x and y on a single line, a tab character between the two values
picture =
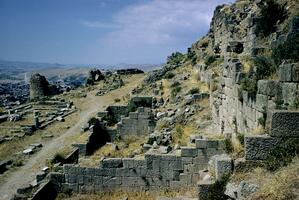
289	72
112	163
285	124
258	147
189	151
201	143
262	87
261	102
205	189
128	162
290	93
223	166
295	72
212	144
112	180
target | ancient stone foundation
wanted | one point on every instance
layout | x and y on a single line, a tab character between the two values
154	171
284	126
138	123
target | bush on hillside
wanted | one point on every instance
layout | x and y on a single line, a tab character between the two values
175	58
265	67
193	91
289	50
271	14
169	75
191	55
209	60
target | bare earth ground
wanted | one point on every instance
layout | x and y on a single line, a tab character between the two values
89	106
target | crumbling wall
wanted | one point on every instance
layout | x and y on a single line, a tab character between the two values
236	110
284	126
137	123
154	171
39	86
232	37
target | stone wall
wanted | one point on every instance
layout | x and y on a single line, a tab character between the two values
283	126
236	110
117	111
39	86
232	38
137	123
154	171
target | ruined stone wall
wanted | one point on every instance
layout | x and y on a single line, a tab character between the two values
284	127
236	110
137	123
39	86
154	171
233	38
117	111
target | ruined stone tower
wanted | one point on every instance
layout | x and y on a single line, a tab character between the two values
39	86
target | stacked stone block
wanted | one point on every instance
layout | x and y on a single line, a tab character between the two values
137	123
284	125
235	110
154	171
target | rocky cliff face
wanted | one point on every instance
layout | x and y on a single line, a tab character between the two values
244	59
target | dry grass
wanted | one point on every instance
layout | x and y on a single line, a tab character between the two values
257	131
247	62
238	148
142	195
281	185
16	145
126	148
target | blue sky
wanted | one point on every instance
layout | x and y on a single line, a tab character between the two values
101	31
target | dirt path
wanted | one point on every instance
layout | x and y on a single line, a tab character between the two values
26	174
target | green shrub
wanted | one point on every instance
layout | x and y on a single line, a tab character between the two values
169	75
175	58
175	90
262	121
249	85
228	145
178	134
279	104
111	121
18	162
271	14
217	190
240	137
204	44
89	81
193	91
264	67
116	100
57	158
191	55
175	84
209	60
282	154
288	50
92	121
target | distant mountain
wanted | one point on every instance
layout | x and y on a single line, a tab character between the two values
28	65
33	66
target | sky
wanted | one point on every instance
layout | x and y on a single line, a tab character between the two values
101	31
